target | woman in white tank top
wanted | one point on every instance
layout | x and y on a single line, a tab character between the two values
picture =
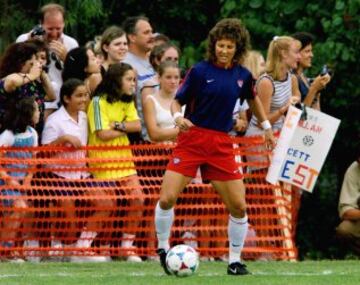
158	119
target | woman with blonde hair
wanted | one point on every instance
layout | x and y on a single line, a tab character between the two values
277	88
255	62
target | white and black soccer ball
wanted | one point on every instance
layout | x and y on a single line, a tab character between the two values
182	260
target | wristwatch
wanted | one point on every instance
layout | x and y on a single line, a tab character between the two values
119	126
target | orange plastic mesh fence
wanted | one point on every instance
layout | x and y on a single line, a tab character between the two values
43	214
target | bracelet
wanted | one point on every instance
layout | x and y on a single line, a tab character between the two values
266	125
120	126
25	75
28	77
177	115
117	126
123	127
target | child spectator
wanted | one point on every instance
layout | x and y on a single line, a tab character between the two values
18	133
112	115
158	118
68	126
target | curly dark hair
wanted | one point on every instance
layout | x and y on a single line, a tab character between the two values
15	57
20	115
230	29
75	63
111	84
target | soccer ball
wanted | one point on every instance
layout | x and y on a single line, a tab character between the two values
182	260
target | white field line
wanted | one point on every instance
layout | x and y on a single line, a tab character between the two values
141	274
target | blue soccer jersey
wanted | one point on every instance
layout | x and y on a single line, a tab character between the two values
210	93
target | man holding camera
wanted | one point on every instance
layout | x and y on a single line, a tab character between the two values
51	31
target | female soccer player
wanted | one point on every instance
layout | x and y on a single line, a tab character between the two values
210	91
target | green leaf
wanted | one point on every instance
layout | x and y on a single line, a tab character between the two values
345	56
255	4
326	24
337	21
339	5
291	7
228	6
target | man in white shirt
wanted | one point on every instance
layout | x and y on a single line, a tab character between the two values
52	21
140	41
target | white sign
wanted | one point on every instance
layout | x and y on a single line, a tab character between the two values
302	148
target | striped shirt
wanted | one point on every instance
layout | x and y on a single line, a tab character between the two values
280	97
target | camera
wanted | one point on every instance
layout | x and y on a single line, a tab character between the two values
58	63
325	70
45	68
37	31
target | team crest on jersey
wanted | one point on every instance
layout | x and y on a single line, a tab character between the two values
176	160
240	83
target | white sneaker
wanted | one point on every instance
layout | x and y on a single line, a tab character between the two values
90	258
153	258
132	256
206	258
224	258
31	250
16	260
56	252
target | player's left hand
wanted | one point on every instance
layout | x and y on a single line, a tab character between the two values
183	124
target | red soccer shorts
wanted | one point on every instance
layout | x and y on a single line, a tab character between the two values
210	150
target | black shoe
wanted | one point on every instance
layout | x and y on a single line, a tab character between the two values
162	254
237	268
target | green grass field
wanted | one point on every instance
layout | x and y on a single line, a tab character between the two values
299	273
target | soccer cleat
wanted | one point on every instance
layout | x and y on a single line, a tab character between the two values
162	254
237	268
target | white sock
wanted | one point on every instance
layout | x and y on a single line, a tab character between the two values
163	222
86	239
128	240
237	229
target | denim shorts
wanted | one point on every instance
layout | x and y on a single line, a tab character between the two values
8	192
